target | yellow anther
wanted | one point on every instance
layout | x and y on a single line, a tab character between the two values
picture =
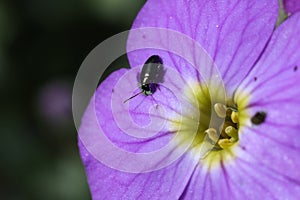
212	134
234	117
224	143
220	109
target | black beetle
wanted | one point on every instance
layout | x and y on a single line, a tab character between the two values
152	74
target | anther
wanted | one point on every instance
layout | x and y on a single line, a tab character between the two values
234	117
212	134
232	132
224	143
220	109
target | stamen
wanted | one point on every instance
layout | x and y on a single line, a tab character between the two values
224	143
235	117
232	132
223	127
212	134
227	133
220	109
231	105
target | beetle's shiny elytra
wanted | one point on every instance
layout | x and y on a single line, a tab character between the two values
152	74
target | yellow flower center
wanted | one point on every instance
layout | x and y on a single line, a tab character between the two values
215	140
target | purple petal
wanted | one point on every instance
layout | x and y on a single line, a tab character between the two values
233	33
106	115
251	179
273	86
248	177
119	126
267	163
227	182
201	186
291	6
106	182
270	167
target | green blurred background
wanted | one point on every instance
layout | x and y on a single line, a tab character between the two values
42	45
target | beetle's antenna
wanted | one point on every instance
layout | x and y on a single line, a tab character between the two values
133	96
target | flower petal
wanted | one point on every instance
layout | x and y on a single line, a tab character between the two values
273	86
101	140
118	126
201	186
109	118
265	168
273	82
108	183
217	184
245	178
267	162
291	6
233	33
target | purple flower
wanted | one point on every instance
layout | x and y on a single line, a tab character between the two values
254	153
291	6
